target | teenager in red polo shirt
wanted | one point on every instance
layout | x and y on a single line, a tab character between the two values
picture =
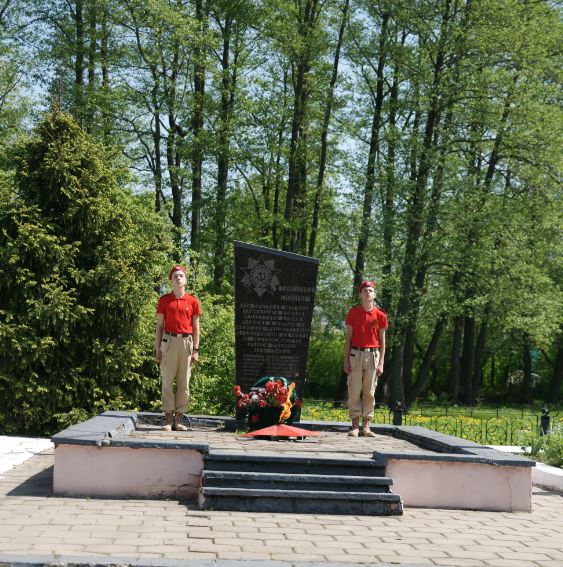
364	355
177	347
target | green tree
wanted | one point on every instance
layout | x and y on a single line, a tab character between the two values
80	256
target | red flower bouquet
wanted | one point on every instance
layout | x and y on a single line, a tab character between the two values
270	401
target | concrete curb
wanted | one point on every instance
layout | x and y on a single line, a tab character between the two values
548	477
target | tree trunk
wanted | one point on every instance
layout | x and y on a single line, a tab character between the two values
425	246
92	48
296	184
157	139
557	376
413	153
426	366
372	155
79	61
104	60
454	374
415	212
173	157
278	172
499	139
467	358
324	131
420	279
388	198
470	374
370	177
294	148
155	108
197	126
468	368
480	355
227	101
300	237
527	385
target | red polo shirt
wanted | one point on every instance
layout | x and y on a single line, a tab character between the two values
366	326
178	312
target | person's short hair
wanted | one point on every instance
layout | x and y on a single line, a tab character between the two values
176	269
366	284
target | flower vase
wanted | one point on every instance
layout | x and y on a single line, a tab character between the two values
269	416
263	417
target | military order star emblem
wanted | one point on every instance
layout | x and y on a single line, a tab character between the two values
261	276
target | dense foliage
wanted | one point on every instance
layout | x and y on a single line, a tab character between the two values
415	142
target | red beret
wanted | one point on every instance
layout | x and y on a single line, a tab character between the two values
366	284
176	269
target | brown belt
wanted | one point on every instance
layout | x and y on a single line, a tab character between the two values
177	334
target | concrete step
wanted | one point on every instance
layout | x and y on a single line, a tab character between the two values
300	501
291	464
296	482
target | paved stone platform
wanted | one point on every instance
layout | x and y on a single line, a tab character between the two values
326	444
37	526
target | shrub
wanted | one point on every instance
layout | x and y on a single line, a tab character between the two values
548	449
213	378
324	364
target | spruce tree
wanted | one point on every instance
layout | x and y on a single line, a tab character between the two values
80	256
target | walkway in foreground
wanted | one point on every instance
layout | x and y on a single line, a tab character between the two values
33	522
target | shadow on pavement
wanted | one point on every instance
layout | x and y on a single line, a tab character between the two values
546	492
40	484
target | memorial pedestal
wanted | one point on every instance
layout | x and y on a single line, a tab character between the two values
274	300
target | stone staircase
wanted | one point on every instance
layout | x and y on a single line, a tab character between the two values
296	484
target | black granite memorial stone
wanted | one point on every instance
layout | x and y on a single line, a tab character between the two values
274	300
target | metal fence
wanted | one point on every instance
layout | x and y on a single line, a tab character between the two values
493	430
487	426
487	431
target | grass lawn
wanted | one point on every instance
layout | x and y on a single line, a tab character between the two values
321	410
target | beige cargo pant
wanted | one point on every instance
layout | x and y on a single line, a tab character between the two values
362	382
176	364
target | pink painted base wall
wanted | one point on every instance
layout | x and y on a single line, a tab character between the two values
124	472
176	473
432	484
